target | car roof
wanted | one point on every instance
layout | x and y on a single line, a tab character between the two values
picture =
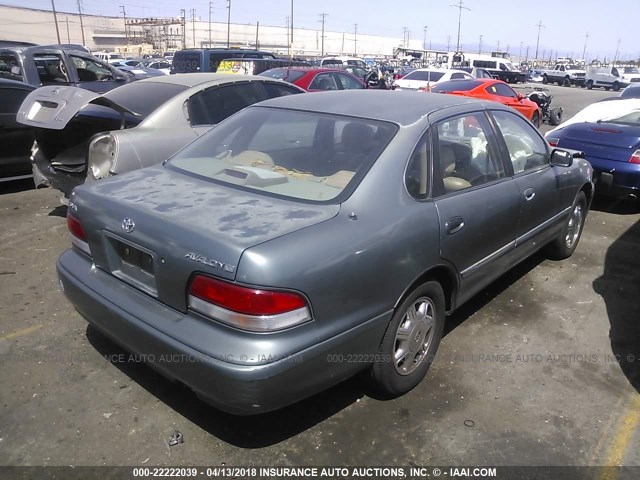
198	78
311	69
403	108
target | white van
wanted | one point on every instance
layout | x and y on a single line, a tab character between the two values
343	61
109	57
604	77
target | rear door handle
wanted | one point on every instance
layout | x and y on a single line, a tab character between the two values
529	193
454	225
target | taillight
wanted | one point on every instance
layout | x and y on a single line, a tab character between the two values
78	236
635	158
553	142
245	307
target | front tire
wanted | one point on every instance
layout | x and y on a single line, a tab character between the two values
535	119
566	243
411	341
589	84
566	82
555	116
545	80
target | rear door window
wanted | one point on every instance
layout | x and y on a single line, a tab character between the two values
184	62
10	67
213	105
324	81
51	68
347	82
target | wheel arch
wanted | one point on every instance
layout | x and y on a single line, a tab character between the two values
587	188
445	275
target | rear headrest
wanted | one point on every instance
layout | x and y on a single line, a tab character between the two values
357	136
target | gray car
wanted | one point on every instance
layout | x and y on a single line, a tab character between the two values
81	135
311	237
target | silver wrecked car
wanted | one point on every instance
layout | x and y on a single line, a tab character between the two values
82	135
311	237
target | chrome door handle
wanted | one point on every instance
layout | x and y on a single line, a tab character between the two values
454	225
529	193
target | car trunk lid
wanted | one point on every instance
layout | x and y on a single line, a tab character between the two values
609	141
155	227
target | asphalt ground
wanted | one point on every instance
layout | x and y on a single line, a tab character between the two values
527	373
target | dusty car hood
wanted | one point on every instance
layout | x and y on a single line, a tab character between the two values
53	107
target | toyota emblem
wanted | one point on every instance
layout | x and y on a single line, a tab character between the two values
128	225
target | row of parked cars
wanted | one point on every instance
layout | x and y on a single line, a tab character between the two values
283	250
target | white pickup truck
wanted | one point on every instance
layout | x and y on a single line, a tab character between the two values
565	74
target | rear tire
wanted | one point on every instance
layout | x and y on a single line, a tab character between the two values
616	87
410	342
545	80
566	243
555	116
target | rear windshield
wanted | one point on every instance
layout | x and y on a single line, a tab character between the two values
143	97
455	86
184	62
424	76
283	74
307	156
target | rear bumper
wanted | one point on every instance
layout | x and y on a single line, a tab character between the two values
127	316
616	179
44	175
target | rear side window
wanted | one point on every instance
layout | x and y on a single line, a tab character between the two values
274	90
51	68
283	74
323	81
10	67
457	86
213	105
348	82
424	76
184	62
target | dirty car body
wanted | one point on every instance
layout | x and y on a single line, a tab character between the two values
312	237
83	136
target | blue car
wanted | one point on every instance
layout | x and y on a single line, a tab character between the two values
612	146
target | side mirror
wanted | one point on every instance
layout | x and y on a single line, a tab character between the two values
561	158
520	96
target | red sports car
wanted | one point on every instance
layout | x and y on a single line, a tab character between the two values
316	79
494	90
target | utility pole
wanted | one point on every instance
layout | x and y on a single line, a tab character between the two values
480	45
355	40
55	19
615	58
228	23
526	58
257	30
520	54
539	25
448	43
288	42
81	25
291	28
68	35
424	41
183	21
404	37
323	15
498	47
193	26
124	17
584	50
342	49
210	13
459	6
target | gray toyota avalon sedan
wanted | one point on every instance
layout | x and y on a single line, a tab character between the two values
310	237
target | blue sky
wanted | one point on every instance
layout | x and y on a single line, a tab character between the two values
507	22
